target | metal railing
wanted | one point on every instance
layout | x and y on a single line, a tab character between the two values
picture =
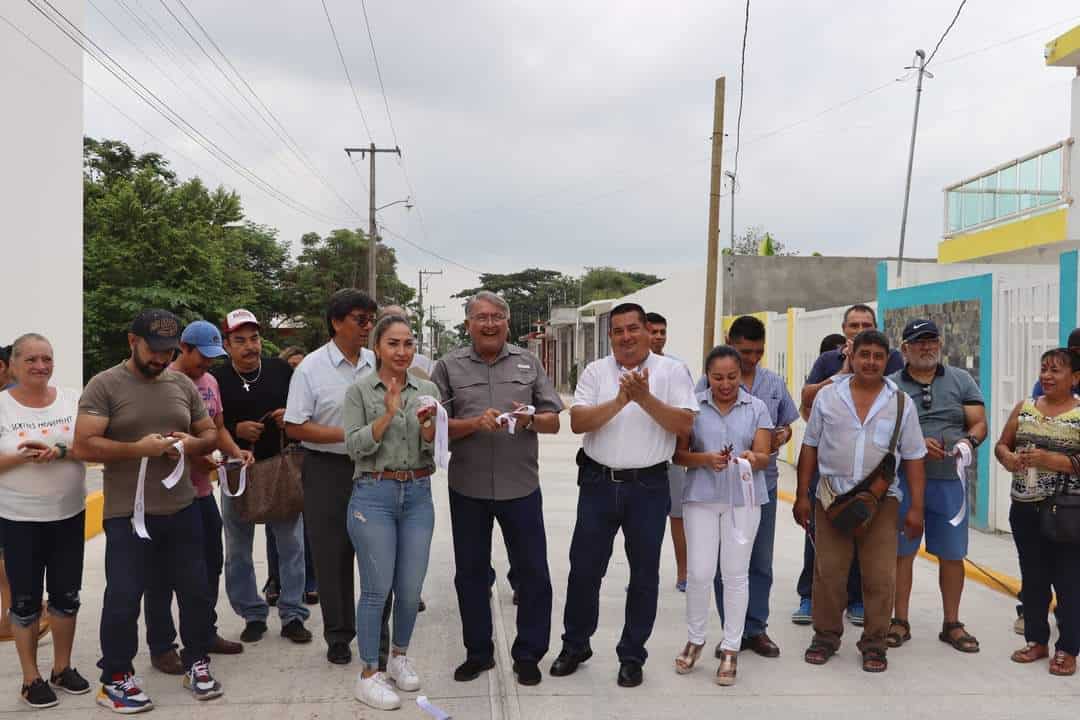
1029	185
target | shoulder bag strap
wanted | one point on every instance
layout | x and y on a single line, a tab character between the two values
901	397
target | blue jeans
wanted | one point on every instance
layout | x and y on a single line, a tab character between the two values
522	524
176	544
273	560
240	583
157	601
640	508
390	524
761	573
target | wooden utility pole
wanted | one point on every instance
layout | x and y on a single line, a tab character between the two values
715	182
373	231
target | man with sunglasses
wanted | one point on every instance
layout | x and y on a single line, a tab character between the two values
313	415
951	414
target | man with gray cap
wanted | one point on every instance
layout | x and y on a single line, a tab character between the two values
953	420
145	422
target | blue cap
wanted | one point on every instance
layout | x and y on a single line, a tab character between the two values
205	337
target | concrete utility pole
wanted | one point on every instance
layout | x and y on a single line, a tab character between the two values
420	305
920	57
373	232
715	182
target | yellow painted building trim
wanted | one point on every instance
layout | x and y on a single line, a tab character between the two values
1064	50
789	450
1043	229
95	514
1000	582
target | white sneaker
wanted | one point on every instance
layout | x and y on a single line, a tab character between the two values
375	691
401	671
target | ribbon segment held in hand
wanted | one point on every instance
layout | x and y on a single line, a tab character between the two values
741	514
962	451
511	418
442	430
223	481
138	518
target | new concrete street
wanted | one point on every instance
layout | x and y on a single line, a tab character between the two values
926	678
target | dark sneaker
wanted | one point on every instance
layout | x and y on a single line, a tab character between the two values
70	681
38	694
339	653
253	631
123	695
201	683
294	630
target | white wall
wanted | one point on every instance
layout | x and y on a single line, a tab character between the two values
41	186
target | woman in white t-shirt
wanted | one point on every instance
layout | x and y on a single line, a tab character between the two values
43	515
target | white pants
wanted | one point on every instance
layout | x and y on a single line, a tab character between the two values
710	529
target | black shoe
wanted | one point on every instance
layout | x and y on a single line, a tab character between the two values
253	631
528	673
515	597
339	653
567	662
761	644
422	606
630	674
471	669
311	598
272	591
295	631
38	694
70	681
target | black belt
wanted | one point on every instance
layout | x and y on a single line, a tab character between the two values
620	476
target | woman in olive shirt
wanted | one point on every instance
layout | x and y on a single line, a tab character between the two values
389	434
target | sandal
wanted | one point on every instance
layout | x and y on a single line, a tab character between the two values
729	664
874	661
1030	653
895	639
1063	664
965	642
686	660
818	653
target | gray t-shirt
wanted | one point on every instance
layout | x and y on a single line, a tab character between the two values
136	407
950	390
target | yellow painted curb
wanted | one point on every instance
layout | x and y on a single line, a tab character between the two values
95	512
1004	584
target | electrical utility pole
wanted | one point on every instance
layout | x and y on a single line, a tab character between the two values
434	333
715	181
420	305
373	232
920	57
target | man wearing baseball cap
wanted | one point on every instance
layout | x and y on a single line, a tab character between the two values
953	421
142	419
254	390
200	345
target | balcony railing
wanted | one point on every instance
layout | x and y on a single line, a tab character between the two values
1029	185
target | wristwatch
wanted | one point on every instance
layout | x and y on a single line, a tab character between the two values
973	440
532	419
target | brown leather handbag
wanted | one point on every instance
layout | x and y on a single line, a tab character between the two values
854	511
273	489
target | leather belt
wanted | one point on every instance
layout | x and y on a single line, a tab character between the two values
403	475
620	476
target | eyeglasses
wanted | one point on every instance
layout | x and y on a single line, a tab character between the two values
493	319
362	320
927	396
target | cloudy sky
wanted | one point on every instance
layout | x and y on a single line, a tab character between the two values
569	134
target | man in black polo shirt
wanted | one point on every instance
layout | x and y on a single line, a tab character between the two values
253	394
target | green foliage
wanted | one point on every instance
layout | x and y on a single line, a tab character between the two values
755	241
601	283
153	241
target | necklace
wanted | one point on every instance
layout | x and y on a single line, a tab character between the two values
248	383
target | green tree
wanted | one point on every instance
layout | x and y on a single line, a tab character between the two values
600	283
755	241
530	293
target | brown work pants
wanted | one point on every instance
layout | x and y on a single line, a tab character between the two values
877	561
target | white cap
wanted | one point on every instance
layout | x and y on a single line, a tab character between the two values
239	317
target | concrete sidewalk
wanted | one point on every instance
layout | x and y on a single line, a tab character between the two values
926	678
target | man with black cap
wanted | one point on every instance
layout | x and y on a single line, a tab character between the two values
952	414
146	423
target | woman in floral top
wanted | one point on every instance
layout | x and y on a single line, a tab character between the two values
1038	446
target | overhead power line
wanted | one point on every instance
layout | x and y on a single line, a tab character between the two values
742	86
946	33
348	75
117	70
432	253
378	70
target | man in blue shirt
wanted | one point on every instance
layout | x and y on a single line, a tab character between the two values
747	336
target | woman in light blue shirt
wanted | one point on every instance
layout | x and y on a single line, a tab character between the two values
722	501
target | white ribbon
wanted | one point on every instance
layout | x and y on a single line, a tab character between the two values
433	710
511	418
138	518
962	451
745	479
442	430
223	481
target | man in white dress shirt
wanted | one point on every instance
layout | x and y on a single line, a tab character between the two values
630	406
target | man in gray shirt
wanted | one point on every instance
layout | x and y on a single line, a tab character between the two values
951	413
494	475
